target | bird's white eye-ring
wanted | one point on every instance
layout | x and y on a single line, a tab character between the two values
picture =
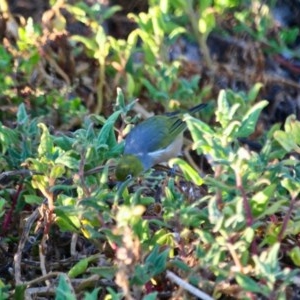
129	176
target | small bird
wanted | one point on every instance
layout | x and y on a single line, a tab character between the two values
151	142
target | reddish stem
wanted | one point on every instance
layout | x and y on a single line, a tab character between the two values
8	216
286	219
239	185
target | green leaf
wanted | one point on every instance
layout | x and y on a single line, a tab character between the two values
181	265
249	121
261	199
140	276
110	11
218	184
204	4
93	295
292	185
272	209
294	254
114	295
247	283
67	215
155	264
151	296
189	173
157	260
157	22
64	290
271	257
201	133
164	238
207	22
87	42
22	116
102	45
249	234
67	159
105	272
2	206
46	147
79	268
8	137
231	129
38	165
40	182
64	142
120	101
253	93
33	199
222	112
57	171
285	141
107	135
20	292
289	139
178	31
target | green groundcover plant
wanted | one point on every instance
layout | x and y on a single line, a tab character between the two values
229	230
240	231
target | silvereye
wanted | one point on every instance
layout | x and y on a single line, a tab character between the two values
151	142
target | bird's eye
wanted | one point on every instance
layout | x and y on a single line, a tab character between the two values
129	176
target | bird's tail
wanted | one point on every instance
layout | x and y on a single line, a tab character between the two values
191	110
197	108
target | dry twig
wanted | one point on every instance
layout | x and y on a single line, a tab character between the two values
188	287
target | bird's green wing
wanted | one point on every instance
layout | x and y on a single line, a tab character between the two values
155	133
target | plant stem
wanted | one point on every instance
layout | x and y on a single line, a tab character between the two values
239	185
286	219
201	39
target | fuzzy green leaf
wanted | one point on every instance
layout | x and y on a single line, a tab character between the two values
294	254
79	268
222	112
247	283
46	147
22	116
249	121
261	199
33	199
64	289
189	173
289	139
